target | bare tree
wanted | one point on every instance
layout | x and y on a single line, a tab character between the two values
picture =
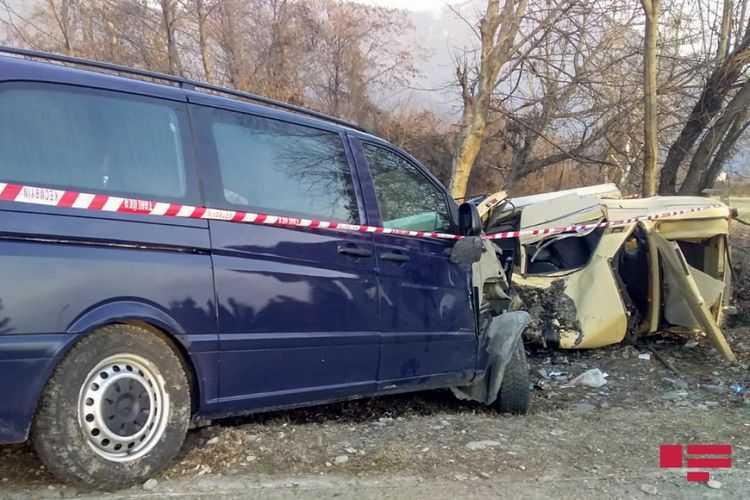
712	140
651	151
62	12
498	29
204	10
564	101
170	12
359	57
230	40
726	150
727	69
552	94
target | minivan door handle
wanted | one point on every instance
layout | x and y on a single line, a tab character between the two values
395	257
352	251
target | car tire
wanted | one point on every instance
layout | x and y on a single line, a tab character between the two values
115	411
514	392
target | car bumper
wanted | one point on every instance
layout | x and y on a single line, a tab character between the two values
26	362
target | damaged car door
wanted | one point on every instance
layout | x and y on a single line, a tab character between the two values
426	318
574	271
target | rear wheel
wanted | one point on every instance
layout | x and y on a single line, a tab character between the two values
115	411
514	391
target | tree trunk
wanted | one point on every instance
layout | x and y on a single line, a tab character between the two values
713	138
497	32
200	6
62	18
169	17
726	23
230	40
651	145
705	110
473	125
740	124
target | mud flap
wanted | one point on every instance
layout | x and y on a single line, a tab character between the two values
501	337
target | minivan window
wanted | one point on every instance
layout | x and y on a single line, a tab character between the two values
282	168
407	198
85	140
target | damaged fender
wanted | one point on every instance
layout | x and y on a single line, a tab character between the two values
499	340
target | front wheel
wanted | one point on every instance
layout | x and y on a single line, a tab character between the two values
514	391
115	411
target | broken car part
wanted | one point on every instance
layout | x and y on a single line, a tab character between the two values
595	288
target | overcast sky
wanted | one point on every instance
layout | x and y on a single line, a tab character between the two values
439	34
435	6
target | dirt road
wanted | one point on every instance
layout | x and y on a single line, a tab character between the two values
578	442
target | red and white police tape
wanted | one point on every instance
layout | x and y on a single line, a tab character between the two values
105	203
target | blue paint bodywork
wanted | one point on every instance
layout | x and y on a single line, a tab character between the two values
267	317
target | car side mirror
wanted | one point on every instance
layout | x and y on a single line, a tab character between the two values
469	221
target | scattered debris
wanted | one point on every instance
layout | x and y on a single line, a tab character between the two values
738	389
714	484
674	395
558	375
591	378
678	384
542	385
150	484
481	445
649	489
665	362
645	356
629	351
341	459
713	388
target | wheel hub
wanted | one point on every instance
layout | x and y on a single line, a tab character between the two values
123	407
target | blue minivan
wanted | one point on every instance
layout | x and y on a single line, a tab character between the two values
119	331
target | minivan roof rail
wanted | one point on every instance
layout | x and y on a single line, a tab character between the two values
184	83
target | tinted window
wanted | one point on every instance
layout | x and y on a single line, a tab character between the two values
282	168
91	141
407	199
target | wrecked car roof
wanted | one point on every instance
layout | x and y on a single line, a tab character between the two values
604	203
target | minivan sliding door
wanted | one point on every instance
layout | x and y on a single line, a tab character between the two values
297	308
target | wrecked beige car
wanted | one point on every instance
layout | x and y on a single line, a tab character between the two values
595	287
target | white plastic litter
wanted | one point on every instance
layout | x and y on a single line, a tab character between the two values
591	378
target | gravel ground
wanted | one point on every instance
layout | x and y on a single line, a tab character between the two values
577	442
